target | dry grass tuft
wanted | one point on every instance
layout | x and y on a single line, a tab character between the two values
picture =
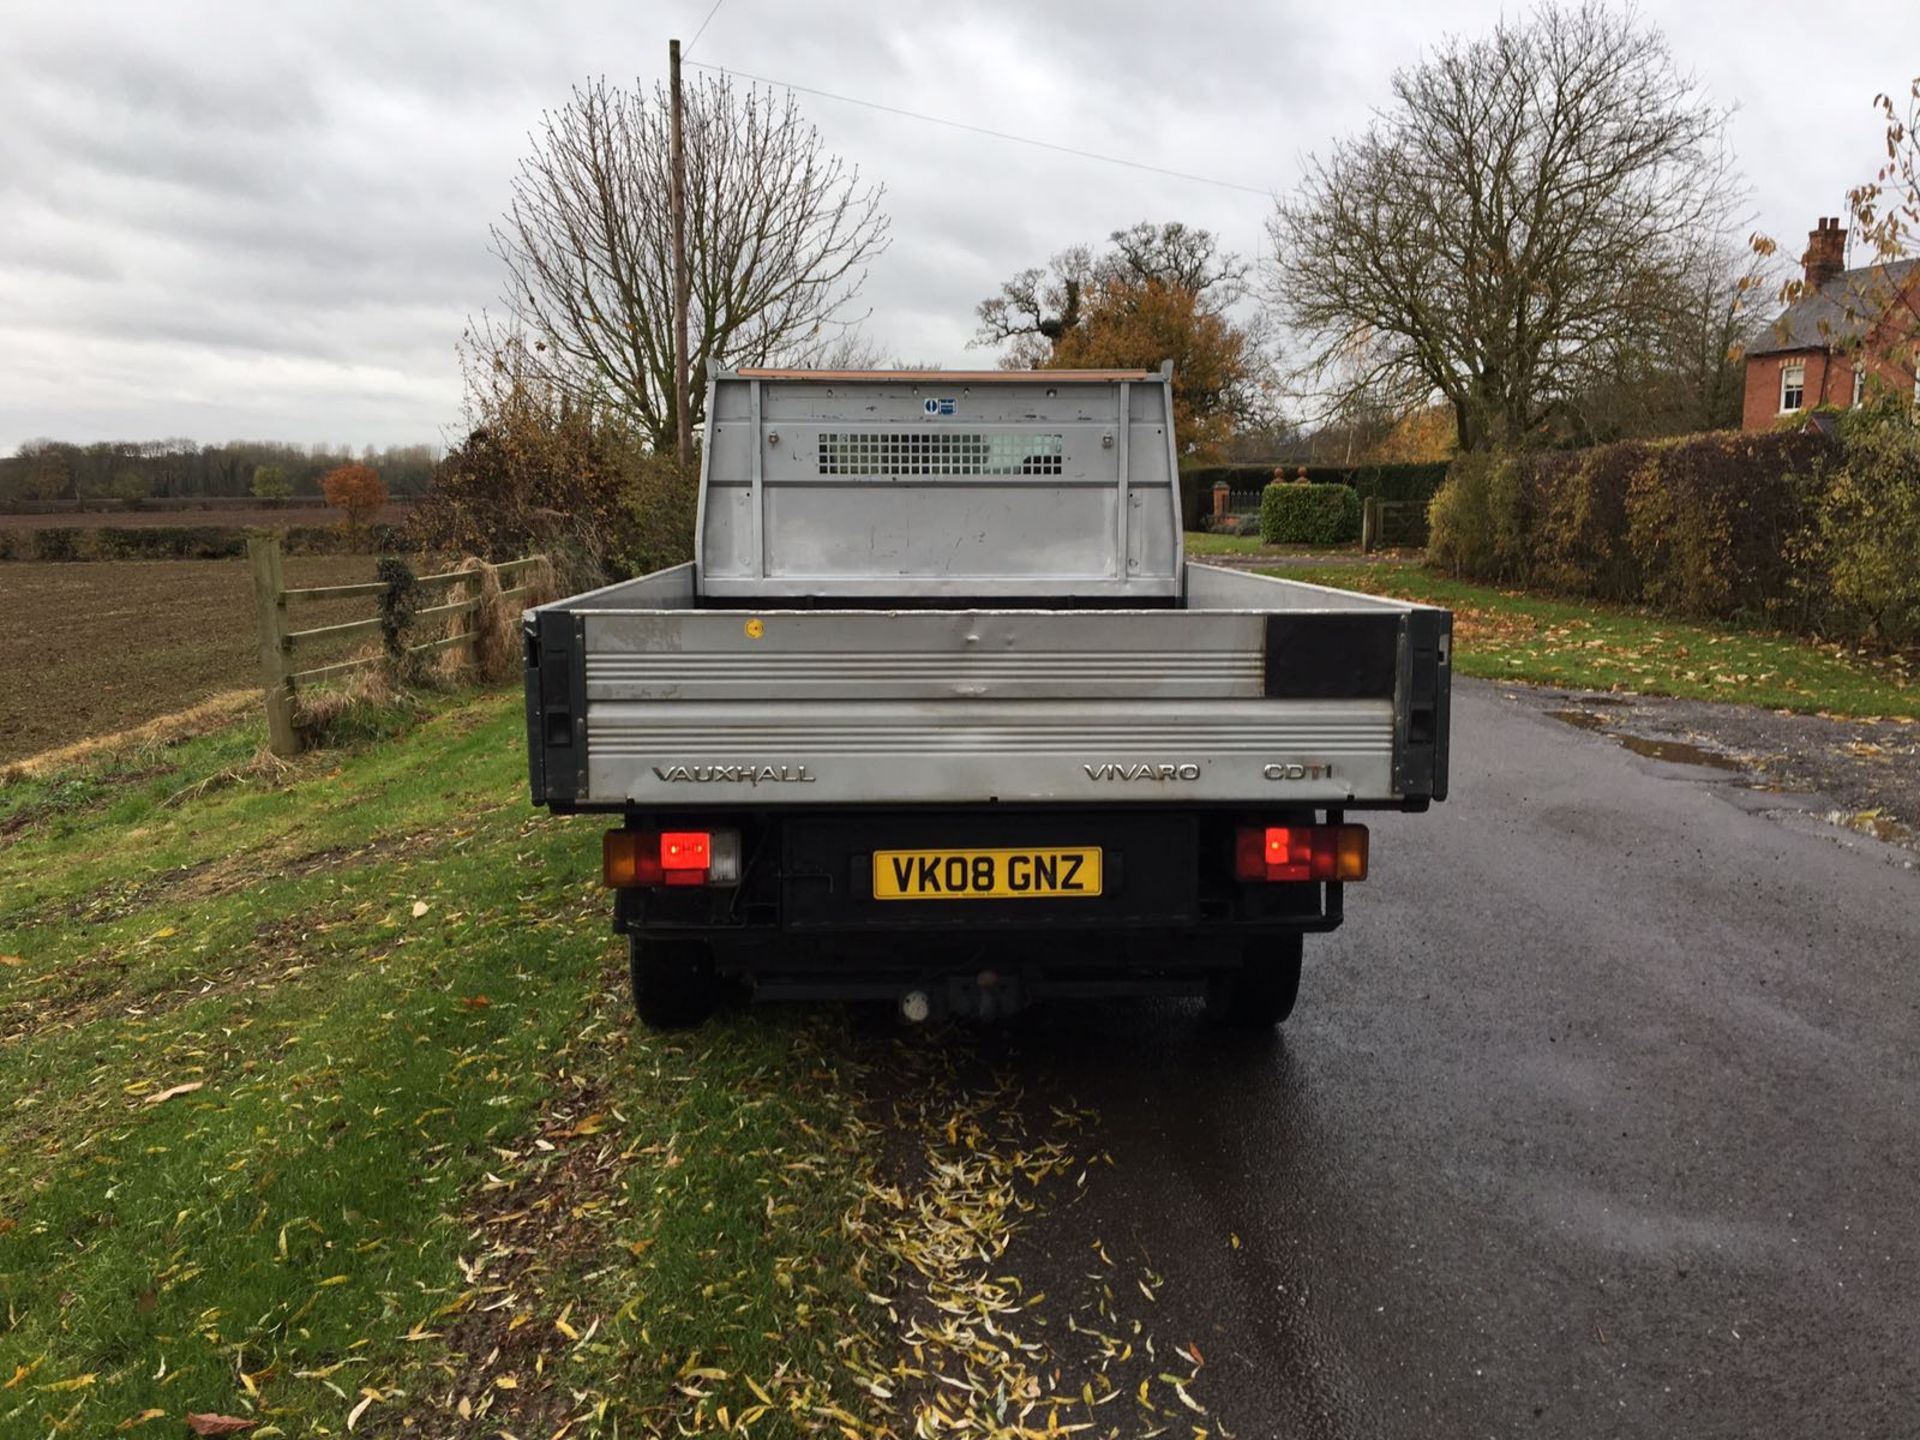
265	765
363	705
209	715
496	624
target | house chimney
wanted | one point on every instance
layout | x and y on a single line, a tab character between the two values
1826	253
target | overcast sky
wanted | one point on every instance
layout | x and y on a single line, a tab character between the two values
228	220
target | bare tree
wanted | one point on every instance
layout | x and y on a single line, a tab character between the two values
1036	307
851	349
1522	208
779	234
1158	292
1039	305
1181	256
1685	372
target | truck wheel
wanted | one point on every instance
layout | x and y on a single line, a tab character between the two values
1259	994
673	982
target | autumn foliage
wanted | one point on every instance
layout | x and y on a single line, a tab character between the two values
542	471
356	491
1135	323
1157	292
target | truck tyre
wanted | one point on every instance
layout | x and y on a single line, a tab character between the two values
673	982
1259	993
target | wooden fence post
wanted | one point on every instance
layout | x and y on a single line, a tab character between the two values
1369	524
263	553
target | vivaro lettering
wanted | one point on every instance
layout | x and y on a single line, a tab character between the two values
1160	772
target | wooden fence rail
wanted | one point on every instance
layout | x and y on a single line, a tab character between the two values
280	644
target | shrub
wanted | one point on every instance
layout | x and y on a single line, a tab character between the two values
1477	522
1309	514
58	543
1716	520
1714	524
1397	481
661	502
1869	524
168	542
1579	543
542	472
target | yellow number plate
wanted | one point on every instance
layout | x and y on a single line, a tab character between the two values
986	874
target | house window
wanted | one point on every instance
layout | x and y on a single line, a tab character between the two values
1793	387
1859	383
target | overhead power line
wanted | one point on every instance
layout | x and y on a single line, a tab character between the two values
983	130
703	25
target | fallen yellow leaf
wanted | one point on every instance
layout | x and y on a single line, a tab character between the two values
186	1089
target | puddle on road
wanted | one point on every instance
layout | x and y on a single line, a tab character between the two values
1673	752
1677	752
1580	718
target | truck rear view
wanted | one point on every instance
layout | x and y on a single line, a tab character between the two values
939	713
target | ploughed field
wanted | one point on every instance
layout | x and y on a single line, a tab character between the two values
102	646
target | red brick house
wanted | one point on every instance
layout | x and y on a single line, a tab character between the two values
1851	334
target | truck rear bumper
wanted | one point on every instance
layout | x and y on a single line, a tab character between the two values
806	898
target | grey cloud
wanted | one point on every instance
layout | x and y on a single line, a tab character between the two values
221	218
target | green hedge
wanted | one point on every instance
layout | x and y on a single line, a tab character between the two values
1309	514
1401	481
192	542
1788	528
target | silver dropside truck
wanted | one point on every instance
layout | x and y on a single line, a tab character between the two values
941	714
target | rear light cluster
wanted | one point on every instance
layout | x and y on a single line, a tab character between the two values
1300	852
631	858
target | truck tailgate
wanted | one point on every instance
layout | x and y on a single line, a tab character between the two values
1324	699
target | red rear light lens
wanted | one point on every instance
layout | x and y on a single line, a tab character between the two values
1301	852
686	850
685	855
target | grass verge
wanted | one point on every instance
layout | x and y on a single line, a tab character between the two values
1510	635
1201	545
323	1109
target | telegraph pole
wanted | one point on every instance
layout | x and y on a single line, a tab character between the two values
682	416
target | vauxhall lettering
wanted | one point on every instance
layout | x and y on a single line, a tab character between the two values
736	774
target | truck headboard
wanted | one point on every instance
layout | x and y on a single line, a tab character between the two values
931	483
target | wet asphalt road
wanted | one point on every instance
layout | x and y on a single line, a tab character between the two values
1599	1117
